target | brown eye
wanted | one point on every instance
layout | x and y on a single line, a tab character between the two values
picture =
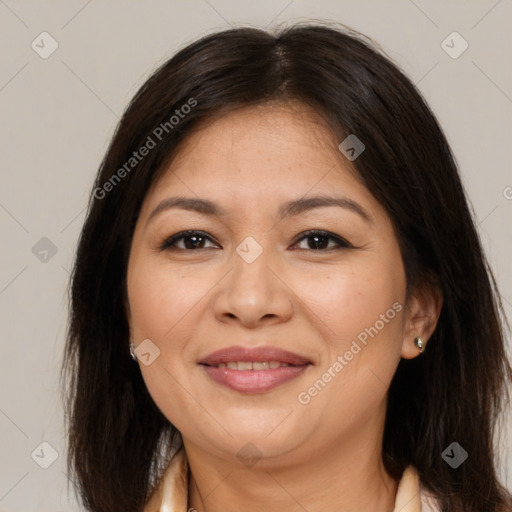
319	240
192	240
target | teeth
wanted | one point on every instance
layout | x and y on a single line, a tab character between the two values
248	365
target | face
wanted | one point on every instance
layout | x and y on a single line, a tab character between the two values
253	276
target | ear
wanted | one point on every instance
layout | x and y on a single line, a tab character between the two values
421	317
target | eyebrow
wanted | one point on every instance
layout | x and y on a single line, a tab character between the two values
288	209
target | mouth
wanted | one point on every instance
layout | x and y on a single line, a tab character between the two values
253	370
251	365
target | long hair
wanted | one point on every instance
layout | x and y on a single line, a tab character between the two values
119	441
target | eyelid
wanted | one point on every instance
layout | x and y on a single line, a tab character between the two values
340	241
166	244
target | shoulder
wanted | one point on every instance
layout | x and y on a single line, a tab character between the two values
172	489
412	495
429	502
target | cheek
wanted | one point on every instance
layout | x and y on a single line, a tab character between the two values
348	299
162	300
361	318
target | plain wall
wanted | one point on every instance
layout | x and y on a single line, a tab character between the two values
58	114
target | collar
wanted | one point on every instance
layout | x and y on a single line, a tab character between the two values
171	493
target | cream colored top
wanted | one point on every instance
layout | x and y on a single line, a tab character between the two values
171	495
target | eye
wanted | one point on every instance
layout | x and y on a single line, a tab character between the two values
320	240
193	240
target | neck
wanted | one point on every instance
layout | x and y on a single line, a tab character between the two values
347	479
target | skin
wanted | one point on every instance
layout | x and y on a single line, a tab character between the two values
325	455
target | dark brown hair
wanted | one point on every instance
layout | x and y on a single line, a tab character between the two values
119	441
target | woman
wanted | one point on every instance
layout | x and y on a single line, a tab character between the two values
279	238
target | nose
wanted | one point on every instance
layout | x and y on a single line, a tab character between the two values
253	293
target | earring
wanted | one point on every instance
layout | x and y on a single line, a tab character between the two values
132	352
419	343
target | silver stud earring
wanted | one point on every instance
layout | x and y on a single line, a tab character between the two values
419	343
132	352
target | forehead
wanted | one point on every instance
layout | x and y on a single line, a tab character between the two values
267	133
260	154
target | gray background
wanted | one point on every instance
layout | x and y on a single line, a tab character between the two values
58	113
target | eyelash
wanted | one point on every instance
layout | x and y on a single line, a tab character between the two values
342	243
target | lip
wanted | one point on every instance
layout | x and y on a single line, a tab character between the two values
257	354
254	381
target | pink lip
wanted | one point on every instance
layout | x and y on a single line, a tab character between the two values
253	381
257	354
